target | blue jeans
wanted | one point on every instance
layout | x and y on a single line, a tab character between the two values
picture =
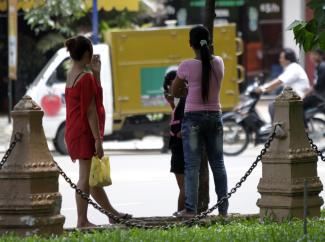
203	128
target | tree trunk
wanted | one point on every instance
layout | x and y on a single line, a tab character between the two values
204	198
209	18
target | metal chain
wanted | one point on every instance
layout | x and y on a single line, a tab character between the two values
189	222
315	148
17	138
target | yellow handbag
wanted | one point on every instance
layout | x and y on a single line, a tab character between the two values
100	172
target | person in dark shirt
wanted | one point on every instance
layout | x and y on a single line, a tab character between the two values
316	94
175	140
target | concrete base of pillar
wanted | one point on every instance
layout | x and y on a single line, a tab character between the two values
26	225
279	208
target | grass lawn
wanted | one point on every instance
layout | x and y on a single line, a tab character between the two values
235	230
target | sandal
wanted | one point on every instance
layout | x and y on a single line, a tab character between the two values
124	216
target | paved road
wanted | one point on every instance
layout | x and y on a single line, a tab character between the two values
143	186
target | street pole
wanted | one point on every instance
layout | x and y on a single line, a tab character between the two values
95	23
9	99
203	196
209	18
12	51
305	206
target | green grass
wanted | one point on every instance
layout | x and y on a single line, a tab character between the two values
236	230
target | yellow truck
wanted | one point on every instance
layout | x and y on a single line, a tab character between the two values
134	63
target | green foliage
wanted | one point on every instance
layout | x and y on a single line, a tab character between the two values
56	15
240	230
49	42
30	60
310	35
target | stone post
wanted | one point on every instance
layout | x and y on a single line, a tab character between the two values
289	161
29	199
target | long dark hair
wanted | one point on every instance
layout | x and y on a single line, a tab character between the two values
200	40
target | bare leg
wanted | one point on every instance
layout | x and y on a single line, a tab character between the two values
99	194
181	196
83	184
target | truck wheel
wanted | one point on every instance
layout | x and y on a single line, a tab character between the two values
59	142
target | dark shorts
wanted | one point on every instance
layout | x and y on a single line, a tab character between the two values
177	159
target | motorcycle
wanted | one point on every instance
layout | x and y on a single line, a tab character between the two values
244	125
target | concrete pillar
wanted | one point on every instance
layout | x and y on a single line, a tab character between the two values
29	199
287	163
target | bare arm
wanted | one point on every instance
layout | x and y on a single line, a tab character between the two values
95	66
179	87
170	99
97	77
268	87
94	126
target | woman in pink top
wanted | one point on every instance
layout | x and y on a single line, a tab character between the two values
202	124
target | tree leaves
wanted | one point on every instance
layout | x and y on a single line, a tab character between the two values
310	35
56	15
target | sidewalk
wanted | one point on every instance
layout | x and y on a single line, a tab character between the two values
5	133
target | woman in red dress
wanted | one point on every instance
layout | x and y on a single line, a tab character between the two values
85	121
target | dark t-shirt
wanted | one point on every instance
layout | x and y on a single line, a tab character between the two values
176	122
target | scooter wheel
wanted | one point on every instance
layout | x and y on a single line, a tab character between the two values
235	138
316	131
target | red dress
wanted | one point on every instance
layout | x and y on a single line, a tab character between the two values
78	136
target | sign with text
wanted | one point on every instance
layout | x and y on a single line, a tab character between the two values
12	39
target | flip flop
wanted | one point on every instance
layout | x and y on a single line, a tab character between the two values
126	216
122	216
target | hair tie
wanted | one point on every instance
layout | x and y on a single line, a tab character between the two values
203	42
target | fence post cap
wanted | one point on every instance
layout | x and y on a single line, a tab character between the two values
26	103
288	94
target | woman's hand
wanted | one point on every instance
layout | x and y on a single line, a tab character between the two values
169	98
259	90
95	64
99	148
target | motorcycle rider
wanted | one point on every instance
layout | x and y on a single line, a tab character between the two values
316	94
293	76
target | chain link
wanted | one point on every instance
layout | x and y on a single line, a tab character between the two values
17	138
190	222
315	148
